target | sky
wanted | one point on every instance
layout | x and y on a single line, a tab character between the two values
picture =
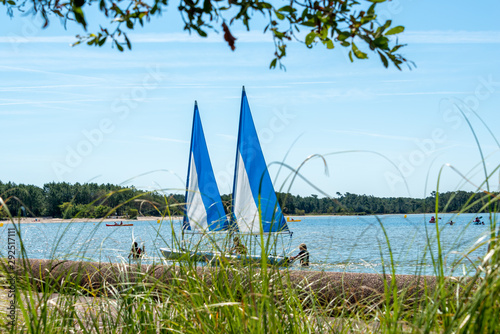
87	114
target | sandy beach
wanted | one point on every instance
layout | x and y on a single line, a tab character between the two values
37	220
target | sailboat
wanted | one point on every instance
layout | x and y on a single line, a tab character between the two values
204	212
255	210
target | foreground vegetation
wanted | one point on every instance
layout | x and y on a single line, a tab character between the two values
91	200
235	298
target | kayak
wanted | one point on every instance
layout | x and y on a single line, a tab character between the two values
119	225
288	219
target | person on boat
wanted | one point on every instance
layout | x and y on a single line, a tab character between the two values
303	256
121	223
433	220
451	222
238	247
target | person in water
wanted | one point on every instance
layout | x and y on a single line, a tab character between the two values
238	247
136	251
433	220
303	256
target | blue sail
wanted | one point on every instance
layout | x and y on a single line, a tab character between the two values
204	209
254	199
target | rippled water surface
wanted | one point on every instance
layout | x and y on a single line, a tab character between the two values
336	243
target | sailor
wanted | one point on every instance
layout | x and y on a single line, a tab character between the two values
303	256
136	251
238	247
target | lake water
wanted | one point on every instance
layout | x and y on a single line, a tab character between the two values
335	243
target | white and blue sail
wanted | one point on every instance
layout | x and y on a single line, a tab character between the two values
255	205
204	210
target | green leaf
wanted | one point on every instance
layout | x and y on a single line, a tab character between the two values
129	45
273	63
343	35
288	9
279	15
79	16
345	43
10	2
120	48
384	59
350	56
397	47
395	30
309	23
130	24
359	54
102	41
310	38
381	42
329	44
377	1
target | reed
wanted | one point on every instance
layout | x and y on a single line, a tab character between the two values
235	297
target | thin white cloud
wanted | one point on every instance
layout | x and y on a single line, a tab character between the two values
31	70
227	137
40	102
241	37
378	135
423	93
20	89
420	37
16	39
451	37
173	140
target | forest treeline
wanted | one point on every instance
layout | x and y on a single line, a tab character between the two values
92	200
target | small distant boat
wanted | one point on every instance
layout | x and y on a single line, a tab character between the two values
116	224
433	220
478	221
288	219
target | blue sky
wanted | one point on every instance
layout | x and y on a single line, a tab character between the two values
81	114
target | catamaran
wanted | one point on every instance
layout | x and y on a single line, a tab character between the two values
256	214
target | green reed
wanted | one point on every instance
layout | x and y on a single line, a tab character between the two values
236	297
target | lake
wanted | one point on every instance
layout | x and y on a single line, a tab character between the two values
335	243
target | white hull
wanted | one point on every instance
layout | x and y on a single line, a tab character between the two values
201	256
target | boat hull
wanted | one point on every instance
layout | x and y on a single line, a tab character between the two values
201	256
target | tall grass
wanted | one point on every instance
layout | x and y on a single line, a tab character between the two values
233	297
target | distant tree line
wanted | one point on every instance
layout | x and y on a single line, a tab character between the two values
92	200
365	204
89	200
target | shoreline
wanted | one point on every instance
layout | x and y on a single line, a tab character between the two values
37	220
